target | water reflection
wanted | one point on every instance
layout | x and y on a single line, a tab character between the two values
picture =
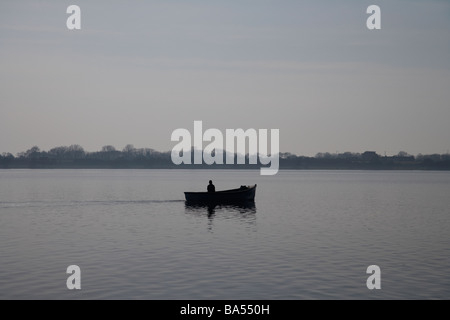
242	212
243	208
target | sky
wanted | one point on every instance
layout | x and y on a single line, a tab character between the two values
138	70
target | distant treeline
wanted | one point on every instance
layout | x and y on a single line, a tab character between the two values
75	156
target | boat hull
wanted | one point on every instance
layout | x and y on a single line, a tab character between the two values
243	194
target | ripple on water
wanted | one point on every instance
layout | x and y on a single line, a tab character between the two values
310	235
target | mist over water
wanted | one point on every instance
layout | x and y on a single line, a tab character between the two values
310	235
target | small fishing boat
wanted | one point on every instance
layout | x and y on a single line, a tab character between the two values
242	194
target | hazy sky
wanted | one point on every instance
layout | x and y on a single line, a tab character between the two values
137	70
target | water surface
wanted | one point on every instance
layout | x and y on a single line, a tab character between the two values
310	235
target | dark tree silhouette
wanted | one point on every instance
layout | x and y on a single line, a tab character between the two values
74	156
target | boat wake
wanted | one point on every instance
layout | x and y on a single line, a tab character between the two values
40	204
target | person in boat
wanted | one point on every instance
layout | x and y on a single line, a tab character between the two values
211	187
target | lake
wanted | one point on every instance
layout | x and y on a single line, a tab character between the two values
310	235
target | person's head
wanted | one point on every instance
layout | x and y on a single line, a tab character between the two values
210	181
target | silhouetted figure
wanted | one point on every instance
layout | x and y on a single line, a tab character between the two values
211	187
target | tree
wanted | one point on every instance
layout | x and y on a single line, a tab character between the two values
129	148
58	151
348	155
108	148
7	155
33	152
76	151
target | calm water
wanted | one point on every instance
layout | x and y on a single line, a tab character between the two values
310	235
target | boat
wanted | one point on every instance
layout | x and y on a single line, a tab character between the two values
240	195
